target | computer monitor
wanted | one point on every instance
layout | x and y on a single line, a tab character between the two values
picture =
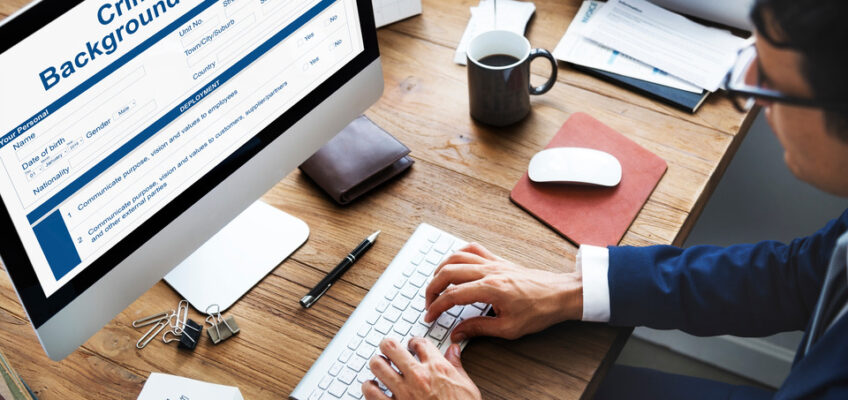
134	130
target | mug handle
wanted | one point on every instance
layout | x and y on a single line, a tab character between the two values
550	83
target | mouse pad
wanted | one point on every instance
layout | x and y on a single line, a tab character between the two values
591	214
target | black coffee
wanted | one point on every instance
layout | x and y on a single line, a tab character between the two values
498	60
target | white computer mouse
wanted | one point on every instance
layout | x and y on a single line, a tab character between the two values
575	165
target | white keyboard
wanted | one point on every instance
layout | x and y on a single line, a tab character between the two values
394	307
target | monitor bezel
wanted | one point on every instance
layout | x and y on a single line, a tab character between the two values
41	308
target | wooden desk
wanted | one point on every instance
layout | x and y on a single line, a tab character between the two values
460	182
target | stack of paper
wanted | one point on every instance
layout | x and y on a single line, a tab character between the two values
511	16
641	40
388	11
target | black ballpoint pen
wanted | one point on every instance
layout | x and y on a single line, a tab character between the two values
331	278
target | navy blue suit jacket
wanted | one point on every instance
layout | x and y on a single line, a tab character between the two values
745	290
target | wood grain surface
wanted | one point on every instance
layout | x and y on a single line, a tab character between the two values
460	182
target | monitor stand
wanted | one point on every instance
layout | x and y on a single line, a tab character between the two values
238	257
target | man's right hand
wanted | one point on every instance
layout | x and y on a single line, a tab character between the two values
524	300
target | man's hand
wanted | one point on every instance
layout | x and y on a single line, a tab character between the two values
434	377
524	300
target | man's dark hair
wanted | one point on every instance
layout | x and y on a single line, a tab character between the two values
819	31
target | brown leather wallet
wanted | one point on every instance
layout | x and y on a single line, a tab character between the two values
358	159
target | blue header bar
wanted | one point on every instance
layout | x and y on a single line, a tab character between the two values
175	113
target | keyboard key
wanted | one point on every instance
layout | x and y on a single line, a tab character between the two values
336	368
480	306
418	330
337	388
374	338
393	314
347	376
409	291
438	332
396	336
470	312
364	375
403	327
417	259
433	236
411	316
372	317
400	282
382	306
354	343
426	247
434	259
357	363
418	304
316	394
363	331
455	310
384	326
391	294
408	271
345	356
366	350
417	280
427	269
443	245
325	383
446	320
355	391
401	303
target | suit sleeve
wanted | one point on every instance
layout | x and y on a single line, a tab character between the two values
744	290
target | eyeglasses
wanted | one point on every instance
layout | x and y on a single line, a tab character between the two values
744	94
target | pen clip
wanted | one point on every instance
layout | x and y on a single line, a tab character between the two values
308	300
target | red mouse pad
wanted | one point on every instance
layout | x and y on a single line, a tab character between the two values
592	214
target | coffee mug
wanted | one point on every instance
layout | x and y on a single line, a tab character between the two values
499	77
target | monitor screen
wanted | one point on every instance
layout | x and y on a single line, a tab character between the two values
118	115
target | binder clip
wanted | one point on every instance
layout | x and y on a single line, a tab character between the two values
187	330
220	328
184	330
188	337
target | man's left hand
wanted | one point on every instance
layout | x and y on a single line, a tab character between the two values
434	377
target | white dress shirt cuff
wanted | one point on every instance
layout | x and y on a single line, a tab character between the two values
593	261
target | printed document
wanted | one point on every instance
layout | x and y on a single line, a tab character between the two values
576	49
695	53
171	387
735	13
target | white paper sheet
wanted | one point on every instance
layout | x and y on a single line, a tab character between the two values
575	48
388	11
735	13
668	41
512	16
171	387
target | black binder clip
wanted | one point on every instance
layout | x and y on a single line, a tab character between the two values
220	328
185	330
190	335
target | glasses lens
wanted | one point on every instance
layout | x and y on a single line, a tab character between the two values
743	67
